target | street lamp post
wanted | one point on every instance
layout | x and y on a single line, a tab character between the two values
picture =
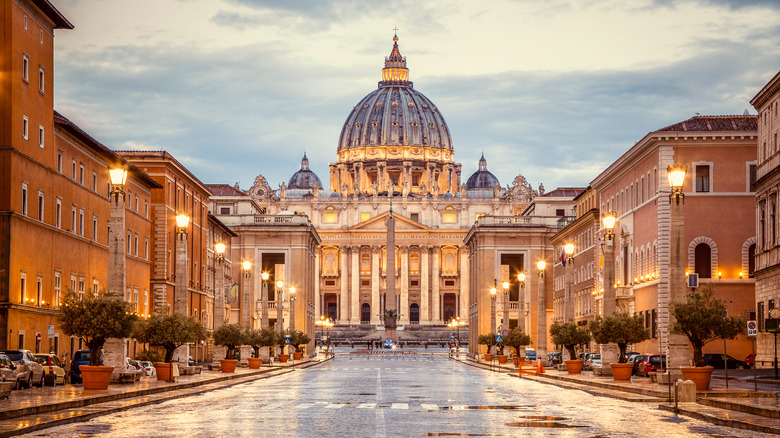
292	308
246	310
568	302
609	351
278	297
541	317
264	317
677	351
521	301
505	319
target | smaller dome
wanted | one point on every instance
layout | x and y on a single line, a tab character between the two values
304	178
482	178
335	195
448	195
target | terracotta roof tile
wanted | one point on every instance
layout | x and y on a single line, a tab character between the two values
224	190
715	123
564	192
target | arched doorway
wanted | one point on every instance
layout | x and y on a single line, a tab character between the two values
448	307
365	313
414	313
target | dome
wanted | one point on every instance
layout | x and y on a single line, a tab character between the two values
395	114
482	178
304	178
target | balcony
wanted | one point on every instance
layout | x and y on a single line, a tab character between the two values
331	274
521	221
267	220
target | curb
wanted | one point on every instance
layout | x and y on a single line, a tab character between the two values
736	424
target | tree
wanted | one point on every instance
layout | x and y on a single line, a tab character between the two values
231	336
489	340
621	329
169	331
569	335
265	337
298	338
95	318
517	338
702	318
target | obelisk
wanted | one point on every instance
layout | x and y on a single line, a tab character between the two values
391	311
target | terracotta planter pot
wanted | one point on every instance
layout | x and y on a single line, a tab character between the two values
622	371
283	358
488	357
699	375
96	377
228	365
574	366
254	362
502	358
297	356
163	370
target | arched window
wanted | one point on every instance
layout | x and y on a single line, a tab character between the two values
414	263
414	313
703	257
365	263
365	313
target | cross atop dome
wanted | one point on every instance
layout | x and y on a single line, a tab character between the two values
395	71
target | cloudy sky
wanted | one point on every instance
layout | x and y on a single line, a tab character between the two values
553	89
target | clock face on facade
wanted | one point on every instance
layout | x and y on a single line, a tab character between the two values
774	313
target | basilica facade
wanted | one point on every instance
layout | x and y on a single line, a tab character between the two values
395	151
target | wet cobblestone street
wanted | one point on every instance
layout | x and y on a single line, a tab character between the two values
398	395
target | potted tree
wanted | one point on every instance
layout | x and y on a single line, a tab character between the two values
517	339
231	336
258	339
169	332
570	335
702	318
297	339
95	318
622	329
488	340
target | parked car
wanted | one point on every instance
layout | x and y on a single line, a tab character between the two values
651	363
635	360
555	357
716	360
30	371
8	370
584	355
630	354
131	365
750	359
80	357
191	362
148	368
594	359
530	354
53	372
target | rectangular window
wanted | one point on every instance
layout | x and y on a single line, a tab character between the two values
40	206
59	161
24	199
146	248
95	285
21	337
58	214
330	218
146	209
751	177
136	203
23	288
642	197
560	212
73	283
25	67
224	210
654	331
94	181
760	316
94	227
365	216
703	178
129	241
73	220
81	174
415	217
57	289
81	223
135	244
74	170
40	137
41	77
25	127
39	292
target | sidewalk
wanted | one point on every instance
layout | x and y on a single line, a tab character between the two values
733	407
40	408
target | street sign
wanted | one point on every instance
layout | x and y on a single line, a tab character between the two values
50	331
693	280
770	325
505	333
499	338
499	329
287	340
752	328
452	340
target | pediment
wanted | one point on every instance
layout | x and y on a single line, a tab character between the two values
402	223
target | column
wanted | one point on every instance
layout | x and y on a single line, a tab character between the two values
354	317
375	277
246	301
568	298
219	294
463	312
404	307
343	316
424	318
678	353
318	299
180	282
436	295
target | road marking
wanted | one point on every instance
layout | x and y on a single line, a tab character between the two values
305	405
428	407
334	406
400	406
367	406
